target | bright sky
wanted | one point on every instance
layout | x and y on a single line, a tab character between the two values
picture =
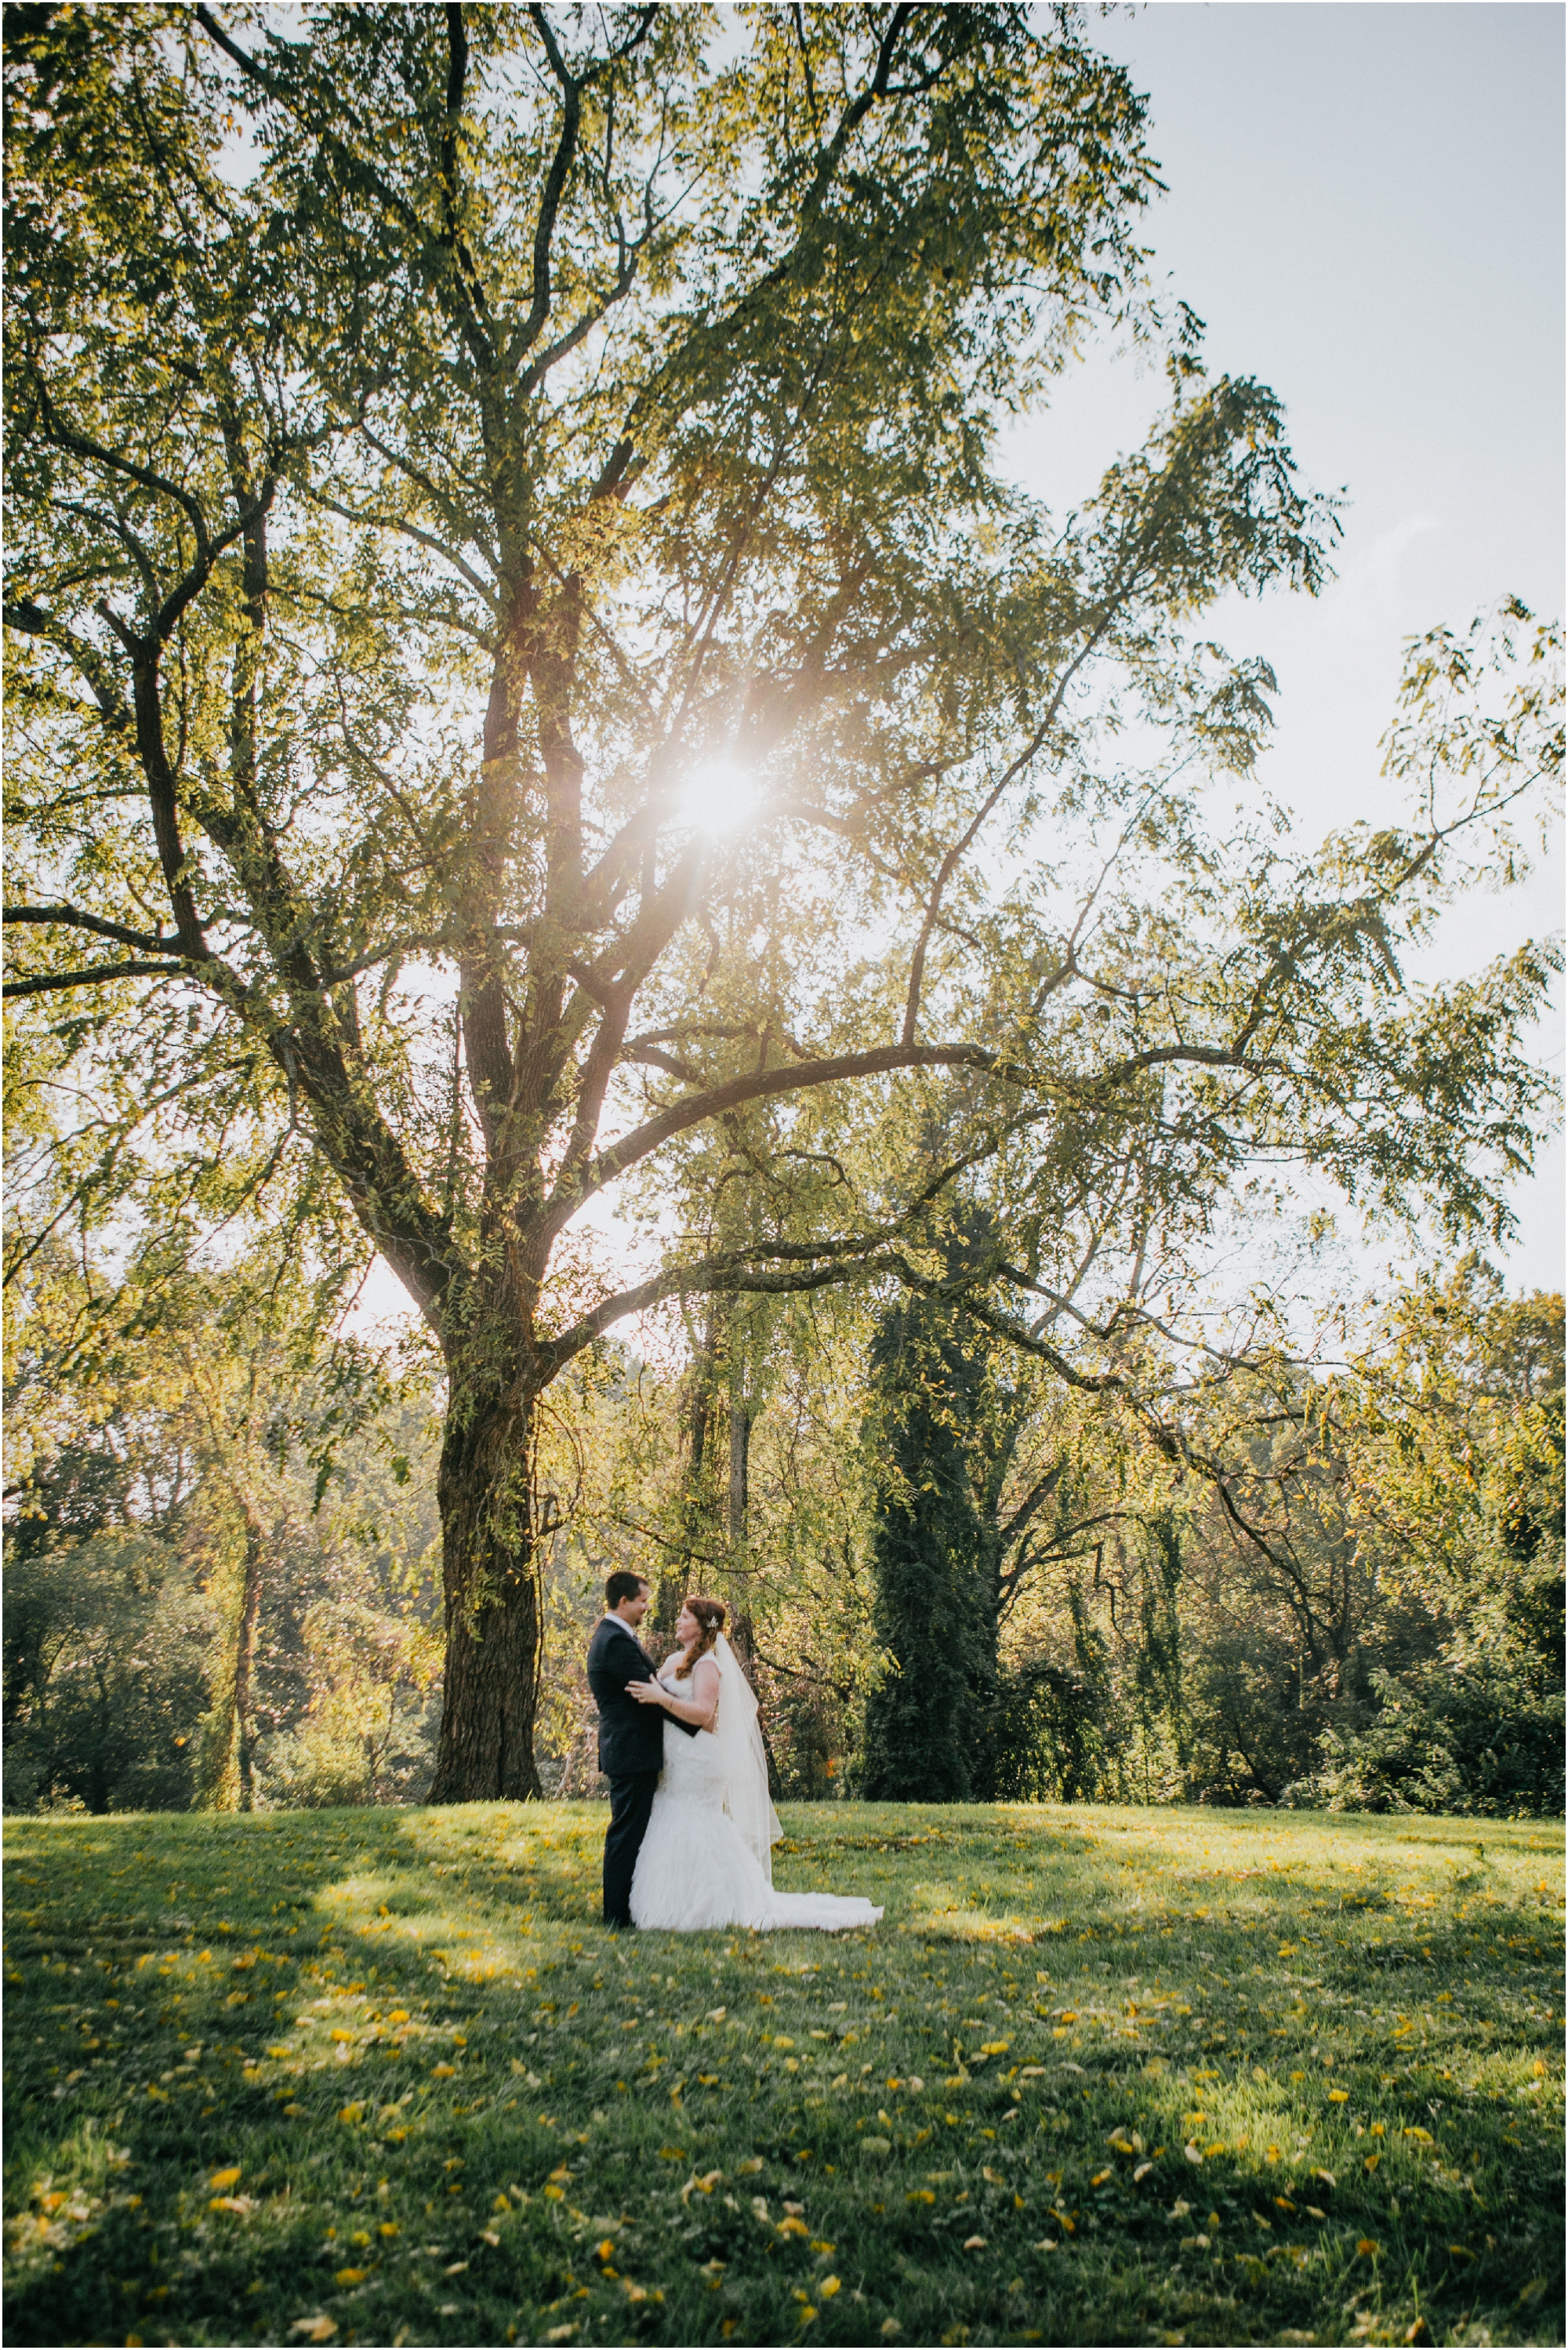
1366	206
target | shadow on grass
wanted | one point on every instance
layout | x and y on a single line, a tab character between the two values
217	1935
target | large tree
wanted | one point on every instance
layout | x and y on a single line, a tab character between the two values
462	461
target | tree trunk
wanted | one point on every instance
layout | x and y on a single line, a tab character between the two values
740	1482
704	1386
493	1617
245	1661
699	1522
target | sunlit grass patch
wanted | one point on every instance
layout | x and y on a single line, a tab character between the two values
1099	2076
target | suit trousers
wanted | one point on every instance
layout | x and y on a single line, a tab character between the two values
631	1800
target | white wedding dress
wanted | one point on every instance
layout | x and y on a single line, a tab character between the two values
706	1861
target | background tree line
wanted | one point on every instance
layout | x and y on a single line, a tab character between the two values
949	1582
221	1576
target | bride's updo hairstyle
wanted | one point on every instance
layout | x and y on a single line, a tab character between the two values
711	1616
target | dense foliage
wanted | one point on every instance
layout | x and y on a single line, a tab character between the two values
935	1610
946	1583
222	1567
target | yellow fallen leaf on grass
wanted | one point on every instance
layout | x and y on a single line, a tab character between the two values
313	2329
223	2179
443	2072
350	2276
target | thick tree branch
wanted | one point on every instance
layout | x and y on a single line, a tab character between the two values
767	1085
93	977
556	180
72	918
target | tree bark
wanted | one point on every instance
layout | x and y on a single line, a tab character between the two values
245	1661
740	1481
704	1390
699	1520
494	1622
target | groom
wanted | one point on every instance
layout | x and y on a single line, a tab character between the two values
631	1736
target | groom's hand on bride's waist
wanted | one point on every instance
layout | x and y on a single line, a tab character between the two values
652	1692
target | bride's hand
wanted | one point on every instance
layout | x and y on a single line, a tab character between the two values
645	1692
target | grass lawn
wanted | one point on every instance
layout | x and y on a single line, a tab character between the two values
1099	2077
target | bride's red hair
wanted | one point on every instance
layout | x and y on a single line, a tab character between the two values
711	1614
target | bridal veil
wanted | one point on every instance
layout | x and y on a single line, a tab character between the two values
742	1759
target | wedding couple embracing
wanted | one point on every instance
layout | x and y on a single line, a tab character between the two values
691	1828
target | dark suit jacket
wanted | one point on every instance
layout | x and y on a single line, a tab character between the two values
631	1736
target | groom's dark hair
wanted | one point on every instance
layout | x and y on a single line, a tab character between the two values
622	1585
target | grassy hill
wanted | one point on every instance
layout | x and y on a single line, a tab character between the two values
1100	2075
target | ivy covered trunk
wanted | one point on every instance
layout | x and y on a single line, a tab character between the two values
935	1611
495	1624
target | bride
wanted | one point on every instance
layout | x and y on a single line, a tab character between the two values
707	1858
